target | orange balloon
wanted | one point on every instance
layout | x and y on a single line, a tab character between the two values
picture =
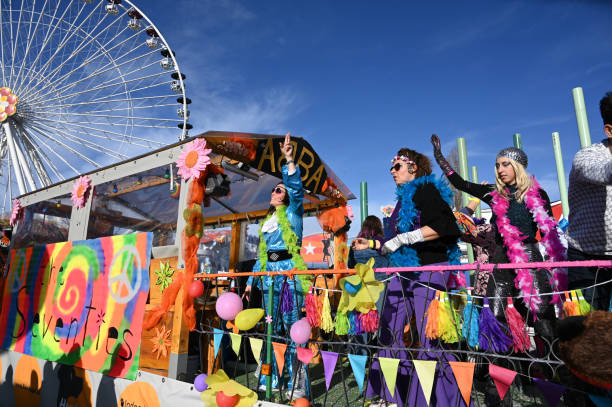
303	402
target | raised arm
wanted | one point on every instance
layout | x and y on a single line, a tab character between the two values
292	178
478	190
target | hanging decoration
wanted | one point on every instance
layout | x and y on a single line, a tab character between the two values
191	242
17	213
492	336
360	292
164	275
8	103
193	159
80	191
161	341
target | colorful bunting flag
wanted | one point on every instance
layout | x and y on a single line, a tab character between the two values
304	355
552	392
358	363
502	378
236	341
600	401
218	337
329	364
426	370
256	345
279	354
464	375
389	369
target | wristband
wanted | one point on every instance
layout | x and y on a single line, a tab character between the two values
289	161
371	244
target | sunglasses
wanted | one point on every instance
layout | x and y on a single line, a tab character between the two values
278	190
396	167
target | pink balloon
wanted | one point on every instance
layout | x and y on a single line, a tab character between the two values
5	91
228	306
12	99
300	331
10	109
2	116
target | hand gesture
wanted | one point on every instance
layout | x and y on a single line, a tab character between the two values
286	147
360	244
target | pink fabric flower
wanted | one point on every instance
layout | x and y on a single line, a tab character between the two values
193	159
80	191
17	213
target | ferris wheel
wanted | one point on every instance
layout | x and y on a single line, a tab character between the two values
84	83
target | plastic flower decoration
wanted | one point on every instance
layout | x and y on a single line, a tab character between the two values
8	102
386	210
221	383
80	191
194	221
193	159
161	341
361	290
17	213
164	275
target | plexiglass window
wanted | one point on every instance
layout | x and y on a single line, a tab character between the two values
44	222
144	202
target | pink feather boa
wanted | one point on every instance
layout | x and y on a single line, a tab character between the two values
513	240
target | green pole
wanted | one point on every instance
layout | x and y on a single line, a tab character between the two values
269	341
560	174
363	200
463	171
475	179
581	118
518	141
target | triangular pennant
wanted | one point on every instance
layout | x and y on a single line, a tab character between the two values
256	345
236	341
600	401
279	354
552	392
426	370
358	363
329	364
218	335
304	355
389	369
464	375
502	378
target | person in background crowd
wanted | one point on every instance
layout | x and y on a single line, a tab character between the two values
367	245
590	220
424	233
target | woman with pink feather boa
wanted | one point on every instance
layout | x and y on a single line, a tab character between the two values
520	208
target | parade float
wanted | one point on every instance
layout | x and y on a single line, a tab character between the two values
94	257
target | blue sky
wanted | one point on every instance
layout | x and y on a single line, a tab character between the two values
360	80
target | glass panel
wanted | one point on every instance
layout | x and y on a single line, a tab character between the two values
44	222
137	203
214	250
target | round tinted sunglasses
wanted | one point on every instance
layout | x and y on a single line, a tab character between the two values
397	166
278	190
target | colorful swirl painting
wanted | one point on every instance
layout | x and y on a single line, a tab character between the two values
79	303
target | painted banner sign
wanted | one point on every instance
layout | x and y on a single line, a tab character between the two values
79	303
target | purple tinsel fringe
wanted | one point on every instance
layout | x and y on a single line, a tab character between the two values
286	299
492	336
